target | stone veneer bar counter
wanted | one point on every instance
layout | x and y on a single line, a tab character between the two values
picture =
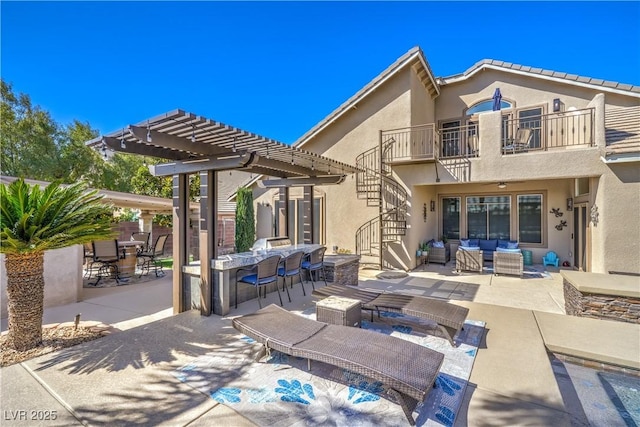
602	296
224	275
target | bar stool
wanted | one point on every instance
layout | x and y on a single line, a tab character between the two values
289	267
262	274
315	262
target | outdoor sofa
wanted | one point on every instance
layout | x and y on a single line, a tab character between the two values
408	370
449	317
488	246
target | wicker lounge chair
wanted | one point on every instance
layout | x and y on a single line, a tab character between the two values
469	260
449	317
508	263
407	369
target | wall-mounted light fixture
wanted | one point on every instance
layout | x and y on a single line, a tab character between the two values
569	204
558	106
424	212
502	185
433	206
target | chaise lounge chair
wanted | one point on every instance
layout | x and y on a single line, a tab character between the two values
449	317
407	369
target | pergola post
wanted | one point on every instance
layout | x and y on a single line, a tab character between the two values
308	218
283	214
180	237
207	237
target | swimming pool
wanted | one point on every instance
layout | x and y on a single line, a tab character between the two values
598	398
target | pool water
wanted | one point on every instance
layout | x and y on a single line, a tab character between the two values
598	398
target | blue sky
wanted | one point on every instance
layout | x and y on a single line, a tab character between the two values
276	69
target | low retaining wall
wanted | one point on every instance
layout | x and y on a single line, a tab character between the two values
342	269
602	296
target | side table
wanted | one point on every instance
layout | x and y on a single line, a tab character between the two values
337	310
424	258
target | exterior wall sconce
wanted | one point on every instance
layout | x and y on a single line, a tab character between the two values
569	204
424	212
558	106
432	205
502	185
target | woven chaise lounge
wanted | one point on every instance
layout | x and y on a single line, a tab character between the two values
407	369
449	317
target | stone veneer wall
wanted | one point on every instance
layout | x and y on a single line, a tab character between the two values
609	307
345	274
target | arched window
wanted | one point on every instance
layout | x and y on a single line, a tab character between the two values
487	105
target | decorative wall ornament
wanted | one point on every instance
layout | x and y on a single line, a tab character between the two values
556	212
594	214
562	225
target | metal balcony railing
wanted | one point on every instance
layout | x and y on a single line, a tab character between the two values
550	131
408	144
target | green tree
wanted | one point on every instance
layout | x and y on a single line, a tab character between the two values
245	223
29	137
33	221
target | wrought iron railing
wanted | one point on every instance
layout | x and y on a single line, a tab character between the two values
549	131
459	141
413	143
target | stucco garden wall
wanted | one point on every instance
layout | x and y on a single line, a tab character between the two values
62	278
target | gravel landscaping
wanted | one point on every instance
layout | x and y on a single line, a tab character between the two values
54	337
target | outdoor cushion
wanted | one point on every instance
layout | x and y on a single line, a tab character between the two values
512	245
503	243
438	244
464	243
469	248
488	245
474	242
513	251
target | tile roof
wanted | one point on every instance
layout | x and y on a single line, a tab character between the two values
492	63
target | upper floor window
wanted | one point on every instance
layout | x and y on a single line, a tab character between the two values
487	105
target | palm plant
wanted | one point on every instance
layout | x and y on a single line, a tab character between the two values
33	221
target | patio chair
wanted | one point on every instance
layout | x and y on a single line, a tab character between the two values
262	274
106	256
469	260
508	263
289	267
449	317
88	264
142	236
152	257
408	370
551	258
520	142
315	262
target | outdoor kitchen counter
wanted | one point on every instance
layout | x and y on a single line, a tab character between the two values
224	275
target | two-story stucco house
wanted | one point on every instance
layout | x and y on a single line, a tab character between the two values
499	151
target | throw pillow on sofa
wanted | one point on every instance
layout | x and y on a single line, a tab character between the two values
438	244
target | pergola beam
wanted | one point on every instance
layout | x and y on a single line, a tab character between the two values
143	150
238	161
301	182
159	139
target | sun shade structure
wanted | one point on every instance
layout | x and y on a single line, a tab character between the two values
193	144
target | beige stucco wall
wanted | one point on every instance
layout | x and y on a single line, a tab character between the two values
62	278
346	138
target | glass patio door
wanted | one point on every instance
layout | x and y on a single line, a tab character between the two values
580	226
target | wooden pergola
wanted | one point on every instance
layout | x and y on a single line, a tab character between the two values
193	144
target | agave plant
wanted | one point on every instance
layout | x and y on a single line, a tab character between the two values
32	221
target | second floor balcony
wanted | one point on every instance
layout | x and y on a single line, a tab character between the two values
517	134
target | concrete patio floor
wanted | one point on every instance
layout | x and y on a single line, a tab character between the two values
125	378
